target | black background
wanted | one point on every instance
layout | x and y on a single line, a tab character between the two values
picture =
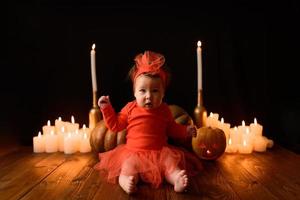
250	58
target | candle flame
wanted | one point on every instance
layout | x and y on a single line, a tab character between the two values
255	121
208	151
84	126
211	114
222	120
72	119
59	119
243	123
40	134
94	46
235	129
48	123
199	43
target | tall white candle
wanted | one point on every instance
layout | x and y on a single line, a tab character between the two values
199	65
93	68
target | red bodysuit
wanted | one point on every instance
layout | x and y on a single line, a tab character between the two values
146	143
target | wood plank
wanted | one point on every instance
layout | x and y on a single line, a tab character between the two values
244	183
10	159
23	176
208	184
61	183
279	173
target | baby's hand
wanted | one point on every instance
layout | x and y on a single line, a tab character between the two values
191	130
103	101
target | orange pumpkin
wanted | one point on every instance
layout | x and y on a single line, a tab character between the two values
210	143
102	139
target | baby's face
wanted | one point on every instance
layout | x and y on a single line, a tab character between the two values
148	91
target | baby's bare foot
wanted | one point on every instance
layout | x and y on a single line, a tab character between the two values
128	183
181	181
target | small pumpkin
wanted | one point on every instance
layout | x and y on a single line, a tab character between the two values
210	143
102	139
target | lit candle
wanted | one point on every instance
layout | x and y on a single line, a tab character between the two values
212	120
51	142
84	130
234	136
225	127
256	128
93	68
48	128
215	121
38	143
231	148
199	65
245	147
72	127
77	138
58	124
85	144
61	136
69	144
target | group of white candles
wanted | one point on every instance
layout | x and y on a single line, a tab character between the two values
64	137
241	139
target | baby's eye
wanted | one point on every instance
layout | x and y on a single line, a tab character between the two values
155	90
142	90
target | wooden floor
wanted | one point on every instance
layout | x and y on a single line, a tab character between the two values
271	175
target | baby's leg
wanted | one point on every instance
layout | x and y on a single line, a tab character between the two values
128	177
179	179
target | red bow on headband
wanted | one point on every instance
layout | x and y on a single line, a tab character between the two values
150	62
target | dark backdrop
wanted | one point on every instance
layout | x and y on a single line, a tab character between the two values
250	58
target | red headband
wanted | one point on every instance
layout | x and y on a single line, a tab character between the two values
150	62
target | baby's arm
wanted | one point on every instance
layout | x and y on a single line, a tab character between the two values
103	101
115	122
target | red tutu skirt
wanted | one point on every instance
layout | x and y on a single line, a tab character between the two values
151	165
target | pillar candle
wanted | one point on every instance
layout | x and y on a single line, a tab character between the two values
231	148
259	144
77	138
225	127
61	136
48	128
72	127
215	121
93	68
245	148
38	144
85	144
256	128
51	143
86	130
59	124
234	135
69	144
199	65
